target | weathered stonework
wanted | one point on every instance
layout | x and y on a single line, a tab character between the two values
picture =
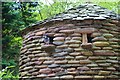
67	55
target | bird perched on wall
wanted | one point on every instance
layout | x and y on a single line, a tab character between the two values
46	39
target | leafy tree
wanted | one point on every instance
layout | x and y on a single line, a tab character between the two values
16	16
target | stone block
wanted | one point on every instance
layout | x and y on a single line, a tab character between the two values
23	73
31	56
26	60
50	34
106	35
73	62
66	66
35	41
94	58
89	72
113	58
53	65
75	54
58	42
99	77
95	34
59	39
104	72
67	77
40	33
71	69
33	70
96	48
48	62
73	42
67	31
69	50
72	72
59	35
36	52
58	50
41	55
86	46
83	68
100	61
104	64
115	46
56	69
96	68
86	30
69	57
110	69
76	38
48	48
36	48
78	49
101	53
109	24
61	62
30	45
87	53
104	31
62	54
74	45
75	65
41	75
80	57
28	68
52	78
23	51
88	20
114	40
99	39
40	67
112	61
44	58
85	61
92	65
61	73
68	38
59	58
101	44
62	46
34	59
107	48
35	73
83	77
115	77
114	21
45	71
76	35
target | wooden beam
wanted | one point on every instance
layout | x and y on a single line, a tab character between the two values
84	38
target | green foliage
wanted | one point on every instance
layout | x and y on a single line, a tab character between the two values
114	6
8	74
16	17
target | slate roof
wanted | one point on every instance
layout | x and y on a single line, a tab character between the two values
82	12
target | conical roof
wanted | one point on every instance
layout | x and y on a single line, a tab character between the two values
82	12
87	11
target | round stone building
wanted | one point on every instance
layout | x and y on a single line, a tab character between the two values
79	44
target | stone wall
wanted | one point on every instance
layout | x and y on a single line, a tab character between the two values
65	57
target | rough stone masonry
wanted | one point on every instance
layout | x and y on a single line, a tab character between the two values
79	44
